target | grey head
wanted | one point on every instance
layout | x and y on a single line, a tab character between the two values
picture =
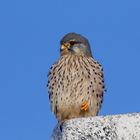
75	44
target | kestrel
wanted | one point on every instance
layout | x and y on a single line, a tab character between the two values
75	81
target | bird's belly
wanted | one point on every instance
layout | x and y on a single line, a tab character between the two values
74	94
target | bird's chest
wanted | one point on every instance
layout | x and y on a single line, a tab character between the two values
73	78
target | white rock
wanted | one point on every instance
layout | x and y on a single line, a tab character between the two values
115	127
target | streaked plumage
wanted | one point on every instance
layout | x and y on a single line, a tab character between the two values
76	78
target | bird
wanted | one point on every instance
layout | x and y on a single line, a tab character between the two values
76	81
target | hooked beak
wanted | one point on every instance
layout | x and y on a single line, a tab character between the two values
65	46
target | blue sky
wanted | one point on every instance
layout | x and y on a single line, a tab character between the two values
30	32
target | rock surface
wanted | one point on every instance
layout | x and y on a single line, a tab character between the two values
113	127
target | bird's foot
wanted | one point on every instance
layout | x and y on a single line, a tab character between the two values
84	106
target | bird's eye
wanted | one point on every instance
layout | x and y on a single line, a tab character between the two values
72	43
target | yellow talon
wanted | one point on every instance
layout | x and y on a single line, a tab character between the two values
84	106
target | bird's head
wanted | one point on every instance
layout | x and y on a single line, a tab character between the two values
75	44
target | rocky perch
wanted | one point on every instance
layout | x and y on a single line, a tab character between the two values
113	127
